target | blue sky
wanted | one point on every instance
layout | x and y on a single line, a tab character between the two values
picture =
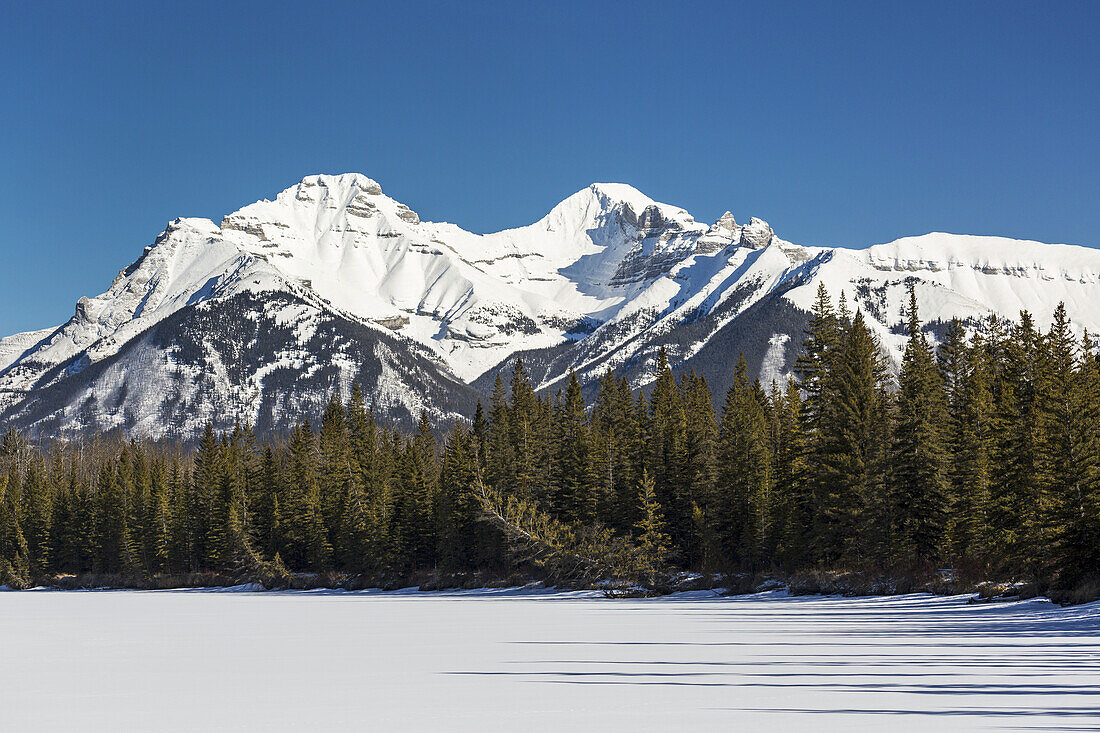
839	123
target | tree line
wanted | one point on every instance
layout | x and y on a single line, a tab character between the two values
982	452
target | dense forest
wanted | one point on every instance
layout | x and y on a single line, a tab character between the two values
981	453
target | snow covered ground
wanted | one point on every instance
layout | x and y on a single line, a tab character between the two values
541	661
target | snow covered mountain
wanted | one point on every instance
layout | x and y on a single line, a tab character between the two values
261	317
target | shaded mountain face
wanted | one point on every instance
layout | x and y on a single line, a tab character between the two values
261	317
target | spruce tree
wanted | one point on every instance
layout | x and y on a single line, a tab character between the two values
652	540
919	489
665	448
113	533
793	505
458	530
266	513
574	497
158	519
13	545
814	362
970	445
304	539
500	457
848	470
697	472
35	518
336	475
1014	486
525	435
1069	458
745	473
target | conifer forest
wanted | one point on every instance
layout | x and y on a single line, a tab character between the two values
981	454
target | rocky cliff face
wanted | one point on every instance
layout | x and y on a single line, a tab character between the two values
263	315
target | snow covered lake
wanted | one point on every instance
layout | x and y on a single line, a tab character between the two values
509	660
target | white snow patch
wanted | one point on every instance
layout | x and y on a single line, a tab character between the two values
771	369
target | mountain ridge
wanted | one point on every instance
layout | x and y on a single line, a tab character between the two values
603	280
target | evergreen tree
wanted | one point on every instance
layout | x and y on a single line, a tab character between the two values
36	518
413	511
336	477
814	362
13	546
1068	458
665	443
848	470
268	531
696	469
574	497
207	532
793	506
113	533
745	476
458	530
304	539
158	519
1014	481
652	539
919	490
970	443
525	435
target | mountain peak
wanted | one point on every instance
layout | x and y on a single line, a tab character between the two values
621	193
341	181
757	234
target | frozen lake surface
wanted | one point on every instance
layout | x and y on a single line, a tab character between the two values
542	661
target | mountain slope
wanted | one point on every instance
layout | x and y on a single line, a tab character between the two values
332	282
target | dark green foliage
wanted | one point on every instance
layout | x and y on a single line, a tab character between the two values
849	436
985	454
743	516
919	459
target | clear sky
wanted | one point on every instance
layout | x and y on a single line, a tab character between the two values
838	122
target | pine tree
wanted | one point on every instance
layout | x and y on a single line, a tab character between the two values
745	473
524	435
68	544
207	531
1014	482
267	534
814	362
651	536
113	533
413	511
217	491
458	530
500	461
970	444
158	519
574	497
848	470
304	539
665	448
793	507
1068	457
13	545
336	477
919	490
697	470
35	518
182	553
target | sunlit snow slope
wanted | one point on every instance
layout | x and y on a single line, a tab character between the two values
334	282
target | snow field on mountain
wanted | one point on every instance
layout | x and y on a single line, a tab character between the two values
606	253
602	281
541	661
